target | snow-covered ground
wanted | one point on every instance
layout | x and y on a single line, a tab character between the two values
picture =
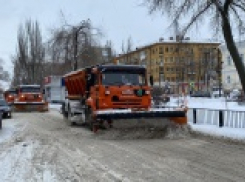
8	130
215	104
55	106
47	149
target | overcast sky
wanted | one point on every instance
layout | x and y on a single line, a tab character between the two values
118	19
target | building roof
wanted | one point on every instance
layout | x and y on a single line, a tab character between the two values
174	41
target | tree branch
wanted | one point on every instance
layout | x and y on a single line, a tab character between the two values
239	6
195	17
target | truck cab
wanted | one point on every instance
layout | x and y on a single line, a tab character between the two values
118	87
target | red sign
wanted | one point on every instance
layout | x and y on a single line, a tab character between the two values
47	80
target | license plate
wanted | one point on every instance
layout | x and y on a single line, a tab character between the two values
30	97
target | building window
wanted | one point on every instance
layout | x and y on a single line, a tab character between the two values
160	50
228	60
166	49
228	79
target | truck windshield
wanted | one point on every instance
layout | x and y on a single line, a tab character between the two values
12	92
30	90
123	78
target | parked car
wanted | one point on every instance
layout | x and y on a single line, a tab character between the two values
5	109
201	94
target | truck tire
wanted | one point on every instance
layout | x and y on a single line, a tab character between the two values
63	111
88	118
69	116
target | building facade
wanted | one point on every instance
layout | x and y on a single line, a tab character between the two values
230	79
185	65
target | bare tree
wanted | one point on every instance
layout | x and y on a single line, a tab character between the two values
4	74
221	14
29	59
74	46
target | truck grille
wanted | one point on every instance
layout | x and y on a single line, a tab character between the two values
127	102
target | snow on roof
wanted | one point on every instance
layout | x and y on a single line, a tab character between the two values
174	41
73	72
183	41
29	85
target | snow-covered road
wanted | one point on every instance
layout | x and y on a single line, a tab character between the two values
42	147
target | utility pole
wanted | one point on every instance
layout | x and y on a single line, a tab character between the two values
219	71
206	70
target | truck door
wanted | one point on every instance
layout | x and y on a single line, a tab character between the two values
94	89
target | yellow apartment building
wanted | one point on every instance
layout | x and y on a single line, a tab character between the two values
185	65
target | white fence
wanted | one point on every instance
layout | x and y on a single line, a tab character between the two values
232	119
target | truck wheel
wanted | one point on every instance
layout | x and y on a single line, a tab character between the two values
69	118
89	119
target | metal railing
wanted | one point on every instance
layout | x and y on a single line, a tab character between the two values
227	118
217	117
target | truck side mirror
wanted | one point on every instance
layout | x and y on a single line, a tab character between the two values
151	80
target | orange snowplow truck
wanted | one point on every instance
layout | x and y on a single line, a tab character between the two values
29	98
9	96
104	93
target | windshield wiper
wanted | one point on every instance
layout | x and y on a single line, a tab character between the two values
116	83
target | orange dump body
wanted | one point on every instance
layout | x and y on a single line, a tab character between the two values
30	98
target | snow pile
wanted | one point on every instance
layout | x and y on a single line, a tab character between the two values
22	153
209	103
234	134
144	129
55	106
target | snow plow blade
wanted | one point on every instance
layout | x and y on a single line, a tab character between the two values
38	106
177	116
